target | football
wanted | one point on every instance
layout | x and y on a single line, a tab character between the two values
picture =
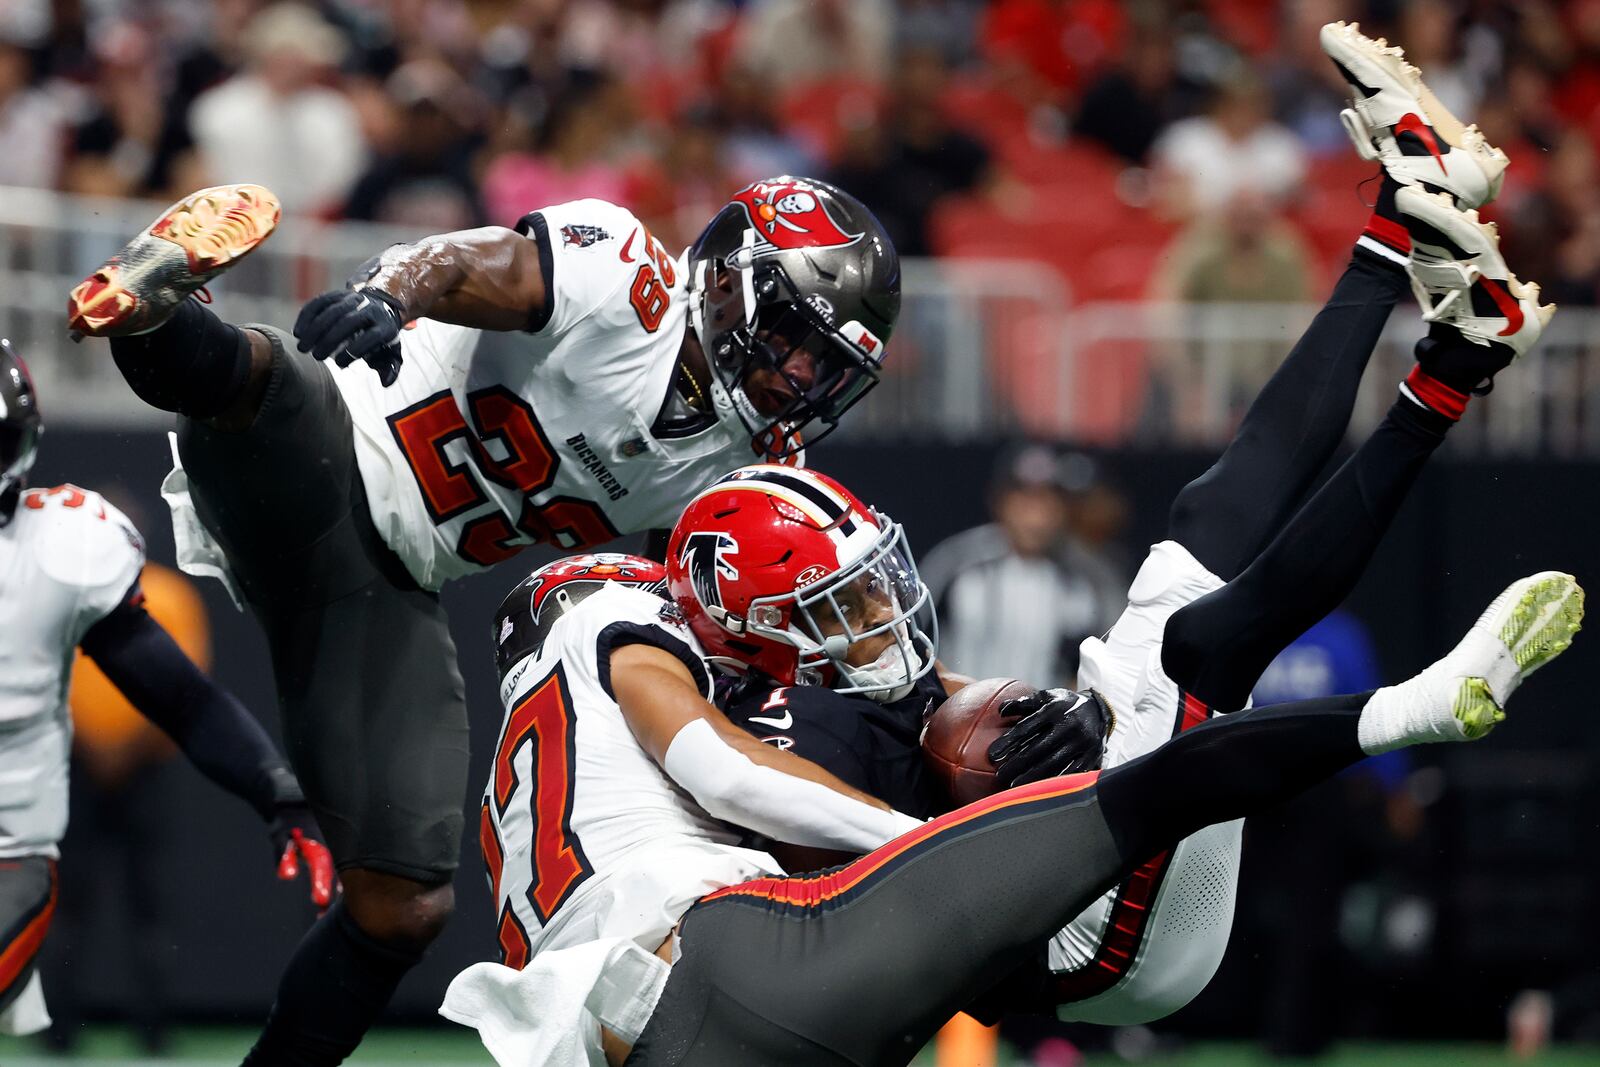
955	744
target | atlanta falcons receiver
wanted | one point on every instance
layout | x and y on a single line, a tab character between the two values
565	382
1149	946
606	813
69	578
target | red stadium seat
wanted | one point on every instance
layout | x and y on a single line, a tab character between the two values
818	113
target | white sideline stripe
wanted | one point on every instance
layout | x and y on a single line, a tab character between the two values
1382	249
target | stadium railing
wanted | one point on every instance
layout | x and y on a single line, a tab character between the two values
984	348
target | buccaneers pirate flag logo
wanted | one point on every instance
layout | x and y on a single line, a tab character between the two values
789	213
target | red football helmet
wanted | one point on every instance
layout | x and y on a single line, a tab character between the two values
529	610
784	570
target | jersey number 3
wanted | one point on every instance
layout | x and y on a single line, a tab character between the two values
543	720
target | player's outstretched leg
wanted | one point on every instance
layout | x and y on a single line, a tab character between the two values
895	943
175	353
1228	515
1483	318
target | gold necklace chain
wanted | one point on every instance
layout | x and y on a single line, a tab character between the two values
699	401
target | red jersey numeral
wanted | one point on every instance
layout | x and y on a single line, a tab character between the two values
451	488
68	496
515	948
543	719
648	294
649	298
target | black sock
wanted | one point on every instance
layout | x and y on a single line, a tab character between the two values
1217	647
335	987
1229	514
194	364
1228	768
1462	367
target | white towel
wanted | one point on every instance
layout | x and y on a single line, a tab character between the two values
198	553
549	1013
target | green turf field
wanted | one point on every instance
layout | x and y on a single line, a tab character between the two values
413	1048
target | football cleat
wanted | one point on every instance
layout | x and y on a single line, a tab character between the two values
190	243
1397	121
1463	696
1527	626
1461	280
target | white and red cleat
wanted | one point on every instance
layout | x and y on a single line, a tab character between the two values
1396	120
1461	280
193	241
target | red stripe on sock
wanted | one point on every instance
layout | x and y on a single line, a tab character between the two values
1450	403
1389	232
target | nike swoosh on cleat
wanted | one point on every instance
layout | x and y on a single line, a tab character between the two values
1411	123
1506	303
623	255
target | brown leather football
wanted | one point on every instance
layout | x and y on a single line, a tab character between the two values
956	743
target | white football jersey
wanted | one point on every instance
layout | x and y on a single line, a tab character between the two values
584	835
1149	946
67	558
492	441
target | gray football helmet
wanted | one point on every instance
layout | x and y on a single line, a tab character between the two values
20	427
789	264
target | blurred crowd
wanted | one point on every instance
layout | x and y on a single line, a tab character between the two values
1108	137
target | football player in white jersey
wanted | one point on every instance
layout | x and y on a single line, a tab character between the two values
69	578
565	382
1151	944
604	819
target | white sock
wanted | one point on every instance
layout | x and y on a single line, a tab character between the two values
1415	712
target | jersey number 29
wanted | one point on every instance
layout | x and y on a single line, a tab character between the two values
451	488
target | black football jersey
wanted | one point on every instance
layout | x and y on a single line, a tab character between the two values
874	747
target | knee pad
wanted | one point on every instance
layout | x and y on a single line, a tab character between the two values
195	364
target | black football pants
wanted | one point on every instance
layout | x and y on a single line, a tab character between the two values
862	964
373	708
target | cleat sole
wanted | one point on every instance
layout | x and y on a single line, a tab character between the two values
219	226
1544	619
1475	708
191	242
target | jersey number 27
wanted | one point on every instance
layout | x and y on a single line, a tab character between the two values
543	720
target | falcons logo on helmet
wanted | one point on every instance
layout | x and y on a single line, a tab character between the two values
704	557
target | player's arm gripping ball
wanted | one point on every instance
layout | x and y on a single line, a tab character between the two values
1056	731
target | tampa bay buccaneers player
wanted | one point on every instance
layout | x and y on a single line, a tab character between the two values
566	381
634	925
69	578
1149	946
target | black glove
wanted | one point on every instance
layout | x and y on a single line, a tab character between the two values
1061	732
354	324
